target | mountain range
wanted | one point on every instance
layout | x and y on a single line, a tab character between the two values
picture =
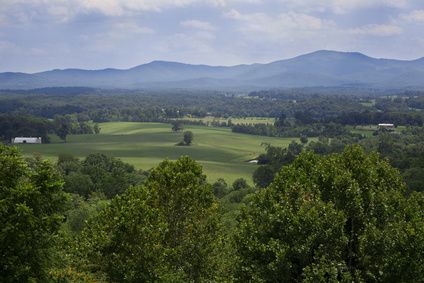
318	69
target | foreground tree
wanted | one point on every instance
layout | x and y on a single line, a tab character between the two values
344	217
165	230
31	204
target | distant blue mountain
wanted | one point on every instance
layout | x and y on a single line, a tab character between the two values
318	69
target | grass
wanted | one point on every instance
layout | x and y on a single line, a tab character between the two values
221	152
368	103
238	121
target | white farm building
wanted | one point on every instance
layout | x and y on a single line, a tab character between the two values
386	126
26	140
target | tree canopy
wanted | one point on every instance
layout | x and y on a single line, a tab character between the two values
344	217
165	230
31	206
188	137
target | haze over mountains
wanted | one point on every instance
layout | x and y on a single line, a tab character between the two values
317	69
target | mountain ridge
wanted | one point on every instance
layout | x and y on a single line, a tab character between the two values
322	68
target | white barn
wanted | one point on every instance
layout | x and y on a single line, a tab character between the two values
386	126
26	140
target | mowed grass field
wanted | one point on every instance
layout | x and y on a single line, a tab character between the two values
222	153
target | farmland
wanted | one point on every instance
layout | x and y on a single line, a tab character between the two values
222	153
235	121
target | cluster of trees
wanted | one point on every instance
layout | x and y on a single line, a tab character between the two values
374	118
342	217
75	125
32	206
188	136
166	230
273	160
307	112
12	125
292	129
135	106
98	173
23	126
256	129
403	150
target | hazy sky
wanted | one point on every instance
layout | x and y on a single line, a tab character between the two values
38	35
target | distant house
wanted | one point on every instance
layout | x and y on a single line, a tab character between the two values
386	126
18	140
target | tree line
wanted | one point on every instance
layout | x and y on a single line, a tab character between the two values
13	125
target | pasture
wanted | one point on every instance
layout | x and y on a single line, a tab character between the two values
222	153
238	121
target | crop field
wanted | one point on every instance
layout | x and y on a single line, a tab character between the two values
221	152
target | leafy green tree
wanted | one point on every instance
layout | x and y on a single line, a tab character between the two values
344	217
166	230
280	121
176	126
109	175
220	188
31	206
68	163
272	161
415	179
304	139
188	137
63	126
239	184
263	176
96	128
78	183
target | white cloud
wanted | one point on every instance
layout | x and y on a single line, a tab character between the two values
280	25
130	27
377	30
196	24
64	10
414	16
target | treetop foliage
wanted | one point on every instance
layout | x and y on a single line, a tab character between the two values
31	207
165	230
342	217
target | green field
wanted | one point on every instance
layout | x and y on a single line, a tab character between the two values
237	121
221	152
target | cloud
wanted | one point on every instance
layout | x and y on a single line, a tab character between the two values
132	28
278	26
377	30
196	24
64	10
413	16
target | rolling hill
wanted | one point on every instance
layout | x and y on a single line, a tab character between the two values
318	69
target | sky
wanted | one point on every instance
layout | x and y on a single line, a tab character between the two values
38	35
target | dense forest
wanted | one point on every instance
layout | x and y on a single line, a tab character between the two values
341	205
